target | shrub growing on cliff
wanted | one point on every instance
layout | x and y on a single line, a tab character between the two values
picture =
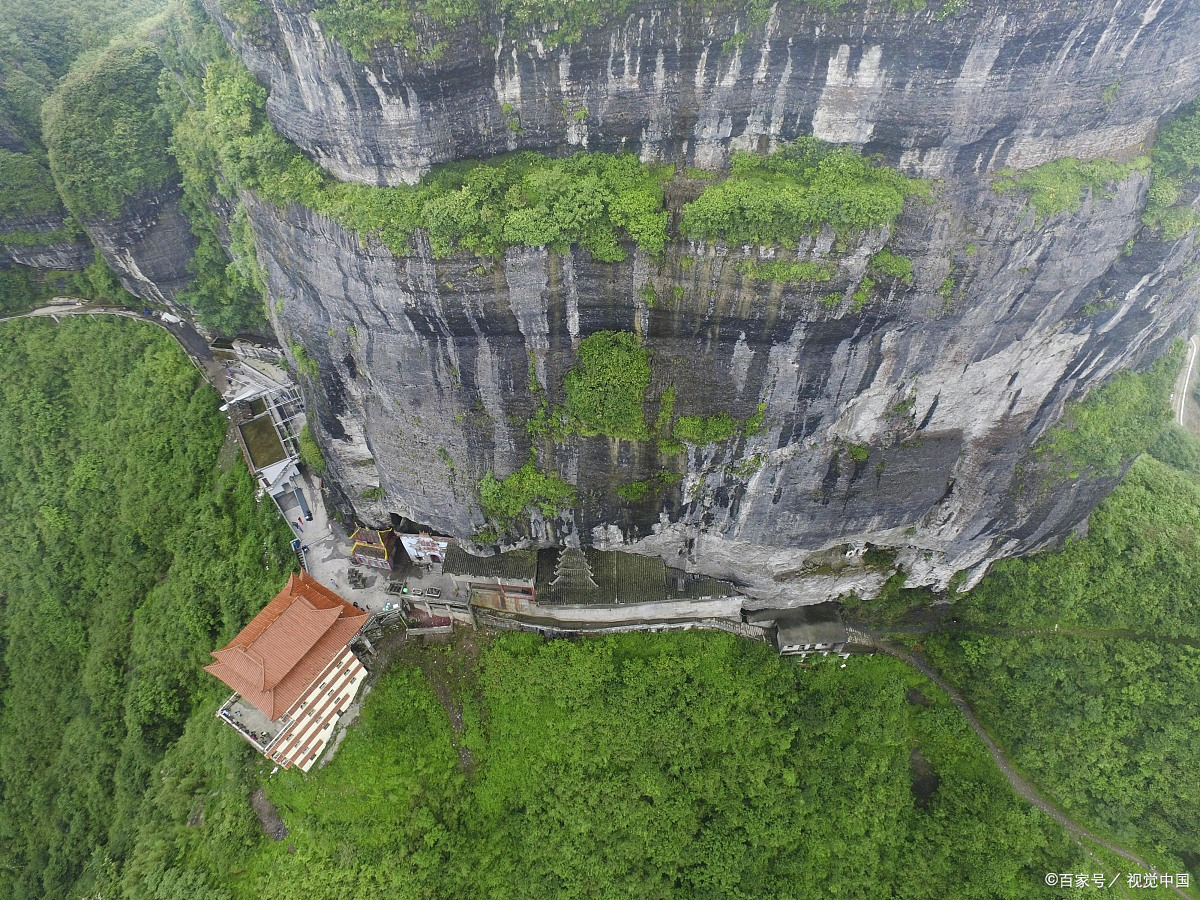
701	430
787	272
1060	185
106	143
793	192
1176	156
227	294
310	452
606	390
891	265
505	500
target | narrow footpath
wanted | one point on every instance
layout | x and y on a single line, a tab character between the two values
1023	788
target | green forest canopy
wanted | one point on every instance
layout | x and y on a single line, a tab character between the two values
126	552
647	766
661	764
1092	683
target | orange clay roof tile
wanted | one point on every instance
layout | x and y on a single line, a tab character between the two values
276	657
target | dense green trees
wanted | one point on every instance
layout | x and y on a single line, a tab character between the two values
779	198
690	765
40	39
125	553
106	143
653	765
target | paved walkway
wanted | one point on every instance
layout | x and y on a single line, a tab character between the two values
1183	400
1023	788
185	334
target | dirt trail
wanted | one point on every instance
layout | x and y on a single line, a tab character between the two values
1023	788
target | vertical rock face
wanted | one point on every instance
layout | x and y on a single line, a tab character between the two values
149	245
1012	83
424	383
903	422
59	251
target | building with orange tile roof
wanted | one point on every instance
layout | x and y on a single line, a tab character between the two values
292	671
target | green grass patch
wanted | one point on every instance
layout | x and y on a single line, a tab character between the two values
858	452
305	364
862	294
890	265
634	490
701	430
754	424
782	272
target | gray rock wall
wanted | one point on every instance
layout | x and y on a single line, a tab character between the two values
423	383
1012	83
61	255
149	245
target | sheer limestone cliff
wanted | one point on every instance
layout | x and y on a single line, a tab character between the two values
956	87
893	412
148	245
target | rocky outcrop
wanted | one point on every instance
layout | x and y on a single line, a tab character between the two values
424	383
904	422
60	249
149	245
1013	83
